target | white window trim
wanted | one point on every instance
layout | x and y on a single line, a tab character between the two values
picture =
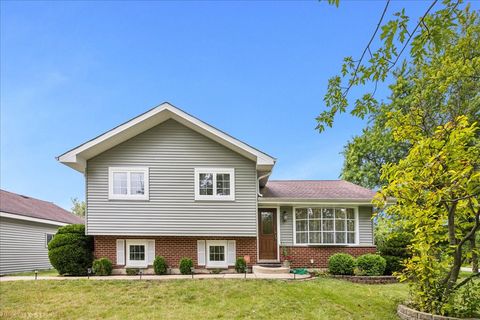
357	227
128	196
135	263
216	264
214	172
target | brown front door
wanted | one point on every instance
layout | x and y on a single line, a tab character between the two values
267	234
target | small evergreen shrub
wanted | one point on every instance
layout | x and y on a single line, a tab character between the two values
393	264
240	265
160	265
102	267
132	271
341	264
186	265
71	251
370	265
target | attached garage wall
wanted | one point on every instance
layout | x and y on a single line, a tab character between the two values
23	245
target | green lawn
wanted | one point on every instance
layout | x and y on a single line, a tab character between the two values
44	273
321	298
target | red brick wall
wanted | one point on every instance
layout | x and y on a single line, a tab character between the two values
301	255
174	248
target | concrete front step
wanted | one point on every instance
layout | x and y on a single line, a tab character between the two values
258	269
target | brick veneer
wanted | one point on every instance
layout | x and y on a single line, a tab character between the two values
174	248
301	255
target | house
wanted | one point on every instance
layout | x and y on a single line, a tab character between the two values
167	184
26	226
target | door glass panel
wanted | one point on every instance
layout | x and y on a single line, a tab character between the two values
217	253
267	222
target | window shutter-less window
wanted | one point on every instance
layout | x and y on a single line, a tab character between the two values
201	252
150	251
231	253
120	252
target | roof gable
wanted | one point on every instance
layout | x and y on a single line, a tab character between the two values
76	158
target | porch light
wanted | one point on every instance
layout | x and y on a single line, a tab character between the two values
312	261
284	216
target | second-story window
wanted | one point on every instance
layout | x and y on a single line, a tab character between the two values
128	183
215	184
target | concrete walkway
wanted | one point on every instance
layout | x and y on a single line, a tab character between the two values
286	276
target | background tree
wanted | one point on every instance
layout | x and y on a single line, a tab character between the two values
435	84
78	207
437	191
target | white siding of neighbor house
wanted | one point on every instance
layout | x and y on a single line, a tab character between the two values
365	226
171	151
22	245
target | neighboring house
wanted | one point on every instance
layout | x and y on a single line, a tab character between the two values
26	226
167	184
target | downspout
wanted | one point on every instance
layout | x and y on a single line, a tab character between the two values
258	184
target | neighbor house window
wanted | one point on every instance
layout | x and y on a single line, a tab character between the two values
128	183
214	184
48	238
325	226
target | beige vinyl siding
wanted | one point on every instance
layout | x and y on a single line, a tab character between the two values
365	226
286	228
22	245
171	151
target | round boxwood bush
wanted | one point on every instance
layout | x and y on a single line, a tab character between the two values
186	265
240	265
102	267
341	264
370	265
71	251
160	265
393	264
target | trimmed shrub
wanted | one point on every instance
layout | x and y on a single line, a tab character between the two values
132	271
240	265
102	267
71	251
370	265
186	265
341	264
393	264
160	265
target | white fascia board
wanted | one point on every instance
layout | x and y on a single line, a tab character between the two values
26	218
292	201
76	158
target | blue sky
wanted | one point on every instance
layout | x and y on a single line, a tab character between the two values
72	70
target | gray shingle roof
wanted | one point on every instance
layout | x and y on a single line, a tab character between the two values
316	189
26	206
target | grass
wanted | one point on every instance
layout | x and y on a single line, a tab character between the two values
321	298
44	273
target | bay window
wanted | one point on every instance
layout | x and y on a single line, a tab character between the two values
324	226
214	184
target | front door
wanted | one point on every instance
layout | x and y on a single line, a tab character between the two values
267	234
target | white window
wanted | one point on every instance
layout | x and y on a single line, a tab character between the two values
48	238
217	254
326	226
215	184
128	183
139	253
